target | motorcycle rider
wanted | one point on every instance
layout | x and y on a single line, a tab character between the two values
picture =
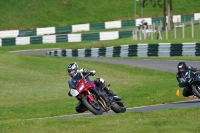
187	91
73	71
143	24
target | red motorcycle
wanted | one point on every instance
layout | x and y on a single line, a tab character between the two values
95	99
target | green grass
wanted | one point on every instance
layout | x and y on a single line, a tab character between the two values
46	13
179	33
36	87
165	121
85	44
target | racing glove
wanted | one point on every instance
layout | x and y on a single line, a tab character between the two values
69	94
92	73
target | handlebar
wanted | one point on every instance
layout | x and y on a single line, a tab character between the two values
86	75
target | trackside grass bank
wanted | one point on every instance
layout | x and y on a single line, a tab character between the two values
67	12
36	86
165	121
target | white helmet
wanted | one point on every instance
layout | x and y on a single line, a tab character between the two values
72	69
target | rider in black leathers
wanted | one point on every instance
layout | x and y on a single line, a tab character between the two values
99	82
187	91
143	25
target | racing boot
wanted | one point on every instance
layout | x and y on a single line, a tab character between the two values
110	92
113	95
101	82
80	108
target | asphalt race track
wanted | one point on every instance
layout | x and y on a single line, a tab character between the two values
163	65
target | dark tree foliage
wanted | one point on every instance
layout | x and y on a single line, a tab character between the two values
162	4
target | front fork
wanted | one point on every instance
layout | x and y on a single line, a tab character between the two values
89	95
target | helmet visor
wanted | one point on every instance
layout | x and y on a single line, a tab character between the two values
181	68
71	72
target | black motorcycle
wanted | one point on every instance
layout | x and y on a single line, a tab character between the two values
143	26
192	79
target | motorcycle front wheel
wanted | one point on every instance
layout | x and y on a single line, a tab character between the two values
196	91
92	106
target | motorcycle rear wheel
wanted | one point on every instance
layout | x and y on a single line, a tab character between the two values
93	107
118	107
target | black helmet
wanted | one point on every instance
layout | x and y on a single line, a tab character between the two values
181	66
72	69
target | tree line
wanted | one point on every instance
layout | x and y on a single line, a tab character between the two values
166	5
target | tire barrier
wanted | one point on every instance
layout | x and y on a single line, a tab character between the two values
100	36
140	50
91	26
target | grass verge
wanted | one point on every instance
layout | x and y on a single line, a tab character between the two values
165	121
67	12
36	86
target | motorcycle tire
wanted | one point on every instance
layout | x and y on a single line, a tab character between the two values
118	107
95	109
196	91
